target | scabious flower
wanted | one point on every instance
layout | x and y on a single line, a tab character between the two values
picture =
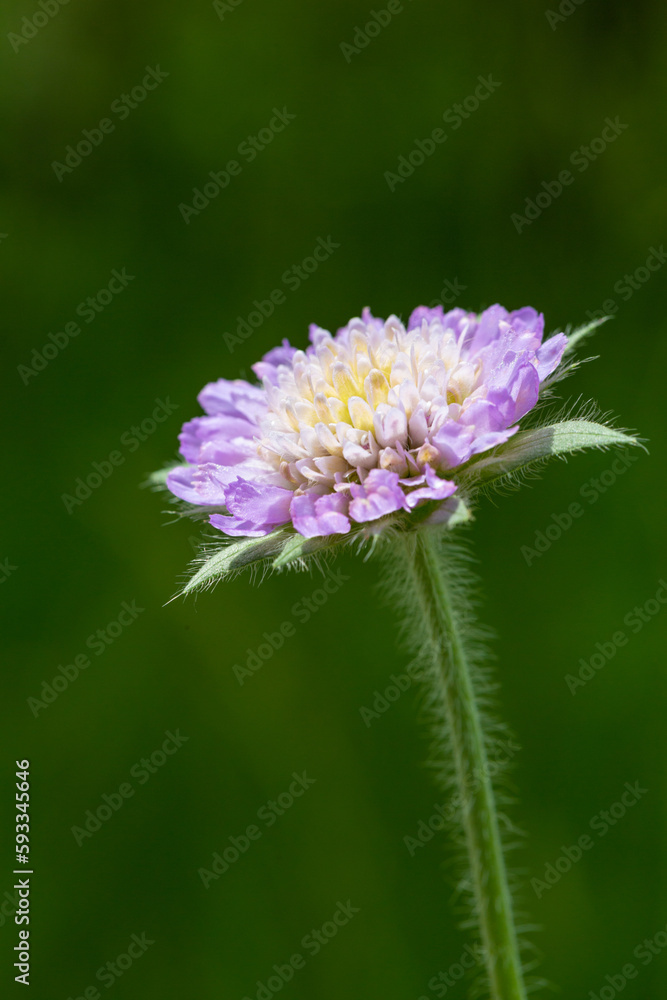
364	423
375	427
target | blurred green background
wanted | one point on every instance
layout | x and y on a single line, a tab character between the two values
66	575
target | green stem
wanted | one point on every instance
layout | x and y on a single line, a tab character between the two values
433	593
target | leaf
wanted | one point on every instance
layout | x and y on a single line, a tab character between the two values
230	558
540	443
297	547
453	512
448	513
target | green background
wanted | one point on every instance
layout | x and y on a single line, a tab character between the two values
163	338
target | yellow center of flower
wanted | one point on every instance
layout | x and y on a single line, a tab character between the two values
363	400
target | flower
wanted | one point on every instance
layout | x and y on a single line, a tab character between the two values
374	420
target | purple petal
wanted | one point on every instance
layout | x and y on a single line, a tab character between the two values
455	319
527	319
179	481
236	526
267	367
485	415
229	453
524	390
233	437
314	515
257	503
453	442
317	334
254	470
370	319
380	494
436	488
199	484
487	331
549	355
514	391
491	440
422	313
237	399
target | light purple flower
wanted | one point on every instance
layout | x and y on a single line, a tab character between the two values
373	420
379	494
314	515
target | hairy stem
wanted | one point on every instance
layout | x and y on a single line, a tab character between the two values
434	599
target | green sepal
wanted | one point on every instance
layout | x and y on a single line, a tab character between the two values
297	548
529	447
229	558
458	512
455	507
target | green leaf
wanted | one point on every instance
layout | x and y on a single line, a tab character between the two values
297	548
458	512
441	513
230	558
538	444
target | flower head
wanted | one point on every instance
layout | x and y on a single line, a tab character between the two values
365	423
